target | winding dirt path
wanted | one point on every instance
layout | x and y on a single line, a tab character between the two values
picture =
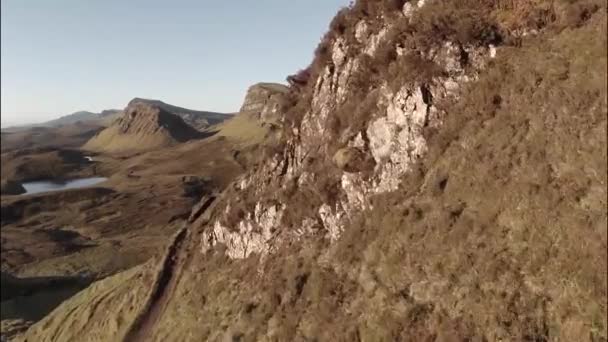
175	261
163	288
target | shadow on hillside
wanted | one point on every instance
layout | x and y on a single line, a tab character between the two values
205	135
14	210
33	298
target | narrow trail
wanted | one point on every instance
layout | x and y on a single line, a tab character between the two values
163	287
176	259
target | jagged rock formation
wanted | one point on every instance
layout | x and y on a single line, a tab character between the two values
259	116
421	184
142	127
195	118
391	135
264	101
442	177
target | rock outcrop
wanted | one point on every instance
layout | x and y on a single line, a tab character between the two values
259	119
352	109
264	101
143	127
195	118
391	138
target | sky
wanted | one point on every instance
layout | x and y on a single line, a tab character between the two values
63	56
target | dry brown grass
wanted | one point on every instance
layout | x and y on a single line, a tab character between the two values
499	233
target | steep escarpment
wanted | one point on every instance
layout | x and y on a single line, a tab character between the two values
442	176
142	127
264	100
353	104
259	117
195	118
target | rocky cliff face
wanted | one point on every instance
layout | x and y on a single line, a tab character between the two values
365	150
391	137
256	127
140	118
264	100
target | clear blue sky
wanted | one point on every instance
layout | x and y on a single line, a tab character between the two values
62	56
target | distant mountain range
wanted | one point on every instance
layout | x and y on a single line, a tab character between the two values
195	118
82	116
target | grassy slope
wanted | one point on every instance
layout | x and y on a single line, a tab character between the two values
87	313
111	140
242	128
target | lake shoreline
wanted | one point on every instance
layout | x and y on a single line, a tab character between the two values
40	186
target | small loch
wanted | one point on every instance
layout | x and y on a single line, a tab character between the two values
53	185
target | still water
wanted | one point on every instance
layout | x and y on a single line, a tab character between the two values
44	186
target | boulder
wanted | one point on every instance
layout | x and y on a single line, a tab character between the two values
352	159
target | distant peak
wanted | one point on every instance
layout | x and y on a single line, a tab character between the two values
82	112
148	101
